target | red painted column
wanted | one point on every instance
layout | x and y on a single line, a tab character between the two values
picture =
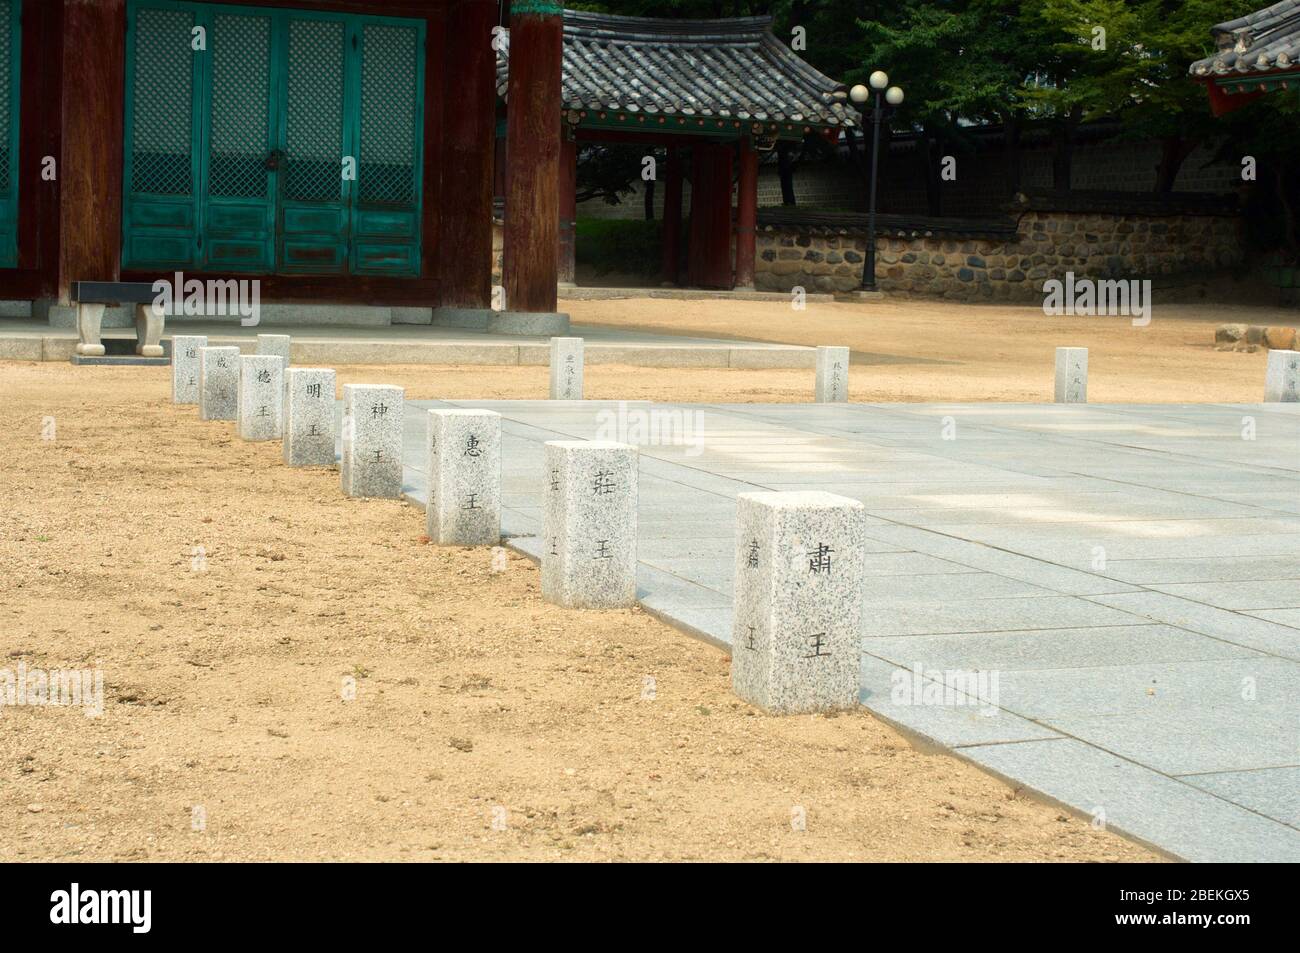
746	213
568	207
533	106
464	251
672	232
90	168
709	258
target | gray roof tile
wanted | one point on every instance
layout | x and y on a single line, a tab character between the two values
702	68
1261	42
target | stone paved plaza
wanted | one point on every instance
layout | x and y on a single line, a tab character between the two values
1128	575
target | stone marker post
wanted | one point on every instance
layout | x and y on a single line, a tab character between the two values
589	524
372	440
566	368
799	591
261	396
1282	377
309	417
274	344
832	375
464	456
1071	375
218	383
185	367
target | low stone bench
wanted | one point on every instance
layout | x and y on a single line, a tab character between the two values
90	297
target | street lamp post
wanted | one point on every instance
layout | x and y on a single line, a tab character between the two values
893	96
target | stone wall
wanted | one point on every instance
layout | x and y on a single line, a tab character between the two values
972	262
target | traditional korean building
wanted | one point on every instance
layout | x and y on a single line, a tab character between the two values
720	91
1258	53
342	151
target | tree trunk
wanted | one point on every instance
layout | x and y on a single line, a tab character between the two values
1174	151
785	169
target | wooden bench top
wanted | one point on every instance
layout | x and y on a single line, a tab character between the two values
113	292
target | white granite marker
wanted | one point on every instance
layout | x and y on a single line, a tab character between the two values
464	456
589	524
1282	377
185	367
566	368
832	375
261	396
274	344
372	440
799	592
218	383
309	417
1071	375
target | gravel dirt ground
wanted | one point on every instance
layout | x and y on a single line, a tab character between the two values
914	350
231	602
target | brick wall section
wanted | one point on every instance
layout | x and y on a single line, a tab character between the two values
1046	245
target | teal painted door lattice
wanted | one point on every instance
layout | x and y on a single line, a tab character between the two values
266	140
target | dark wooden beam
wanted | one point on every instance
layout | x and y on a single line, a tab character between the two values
533	157
90	214
468	85
40	132
710	248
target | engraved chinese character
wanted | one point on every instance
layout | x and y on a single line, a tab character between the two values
472	448
604	482
264	376
471	502
819	559
752	559
378	410
817	644
602	550
313	390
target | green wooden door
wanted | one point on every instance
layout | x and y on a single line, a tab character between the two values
10	47
237	214
301	133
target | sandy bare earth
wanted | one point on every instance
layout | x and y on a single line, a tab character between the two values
477	706
917	350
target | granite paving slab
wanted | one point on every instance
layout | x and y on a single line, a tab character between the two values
1123	578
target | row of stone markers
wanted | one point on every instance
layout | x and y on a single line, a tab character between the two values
1281	377
268	399
799	563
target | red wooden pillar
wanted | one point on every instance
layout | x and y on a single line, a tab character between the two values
533	106
710	249
568	207
90	167
464	251
672	234
746	213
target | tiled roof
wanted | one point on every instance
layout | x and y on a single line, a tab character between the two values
732	69
1262	42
